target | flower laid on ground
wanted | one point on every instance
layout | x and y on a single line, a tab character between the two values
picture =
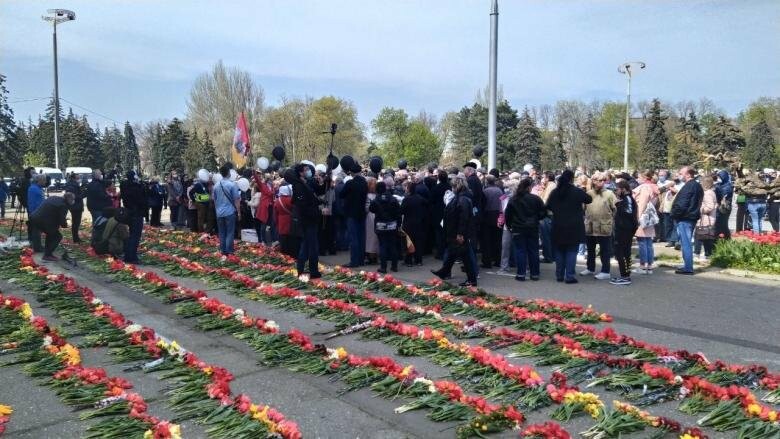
5	416
548	430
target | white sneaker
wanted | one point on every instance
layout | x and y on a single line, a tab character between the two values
639	271
602	276
585	272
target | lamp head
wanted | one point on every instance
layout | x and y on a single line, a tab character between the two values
60	15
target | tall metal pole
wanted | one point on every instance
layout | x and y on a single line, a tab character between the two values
625	69
628	119
493	85
56	103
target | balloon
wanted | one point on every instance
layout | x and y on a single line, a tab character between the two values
402	164
278	153
321	168
203	175
275	165
332	161
217	177
347	163
243	184
233	175
478	151
262	163
375	164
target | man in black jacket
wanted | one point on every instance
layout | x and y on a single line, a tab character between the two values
685	212
74	186
306	218
134	200
437	211
458	234
97	197
354	195
48	218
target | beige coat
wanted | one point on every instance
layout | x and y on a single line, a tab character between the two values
599	214
644	194
709	208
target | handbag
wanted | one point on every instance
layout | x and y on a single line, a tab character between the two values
704	232
649	217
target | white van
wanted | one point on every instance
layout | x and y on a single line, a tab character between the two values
57	180
84	173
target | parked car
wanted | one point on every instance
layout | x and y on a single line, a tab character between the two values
54	177
84	173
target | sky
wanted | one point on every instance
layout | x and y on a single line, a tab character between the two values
136	60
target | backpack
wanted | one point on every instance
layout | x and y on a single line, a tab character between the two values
97	231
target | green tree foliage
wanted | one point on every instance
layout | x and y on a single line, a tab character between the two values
10	156
688	141
302	126
655	153
42	143
724	138
611	131
589	143
173	142
111	144
130	158
528	148
760	149
400	137
553	151
199	154
470	129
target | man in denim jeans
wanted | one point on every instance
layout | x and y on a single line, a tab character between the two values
227	200
756	207
686	211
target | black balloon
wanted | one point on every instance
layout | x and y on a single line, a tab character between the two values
278	153
332	161
347	163
402	164
478	151
274	165
375	164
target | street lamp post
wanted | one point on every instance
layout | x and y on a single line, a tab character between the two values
492	85
626	70
57	16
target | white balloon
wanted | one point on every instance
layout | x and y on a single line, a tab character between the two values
217	177
321	168
203	175
233	175
262	163
243	184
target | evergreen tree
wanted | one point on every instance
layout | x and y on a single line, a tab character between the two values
529	141
130	157
10	156
156	148
553	151
688	138
724	138
760	149
656	146
588	151
42	143
199	153
470	130
111	145
92	136
173	142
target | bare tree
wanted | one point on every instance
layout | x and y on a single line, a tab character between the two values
216	99
428	119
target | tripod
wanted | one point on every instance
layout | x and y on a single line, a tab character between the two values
19	218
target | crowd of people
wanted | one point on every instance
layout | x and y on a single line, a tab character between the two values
486	220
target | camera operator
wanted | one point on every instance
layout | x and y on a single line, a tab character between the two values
48	218
75	187
134	199
97	197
